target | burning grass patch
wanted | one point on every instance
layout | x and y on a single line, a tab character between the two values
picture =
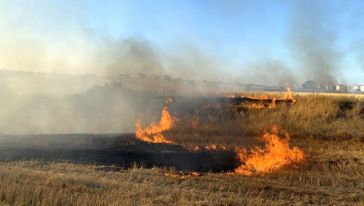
275	154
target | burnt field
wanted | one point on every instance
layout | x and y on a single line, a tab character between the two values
199	151
121	151
124	150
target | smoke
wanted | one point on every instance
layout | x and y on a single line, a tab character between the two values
313	42
357	45
359	53
54	40
135	55
130	56
51	37
269	72
44	36
190	62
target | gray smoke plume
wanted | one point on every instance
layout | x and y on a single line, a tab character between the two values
131	56
359	51
269	72
312	42
136	55
190	62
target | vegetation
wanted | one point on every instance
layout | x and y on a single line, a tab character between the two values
328	129
318	116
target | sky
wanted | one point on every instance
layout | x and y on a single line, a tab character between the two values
229	38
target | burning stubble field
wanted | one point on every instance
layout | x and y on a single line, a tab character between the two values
306	150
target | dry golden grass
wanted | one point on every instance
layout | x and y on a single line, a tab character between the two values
320	116
328	129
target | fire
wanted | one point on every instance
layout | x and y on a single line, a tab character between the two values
262	102
273	156
180	175
256	105
211	147
289	95
153	133
273	103
267	102
207	147
214	147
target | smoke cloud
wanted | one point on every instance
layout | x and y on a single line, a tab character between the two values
45	36
270	72
131	56
313	43
135	55
42	36
69	84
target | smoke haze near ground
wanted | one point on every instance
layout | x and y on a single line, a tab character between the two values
56	38
270	72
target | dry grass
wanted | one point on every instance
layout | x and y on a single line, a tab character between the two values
328	129
320	116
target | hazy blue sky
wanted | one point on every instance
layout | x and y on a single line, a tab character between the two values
238	35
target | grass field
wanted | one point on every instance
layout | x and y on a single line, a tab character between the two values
329	129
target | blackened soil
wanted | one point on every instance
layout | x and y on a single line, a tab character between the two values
117	150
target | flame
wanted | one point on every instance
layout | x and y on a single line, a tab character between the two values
262	104
289	95
262	100
256	105
273	103
214	147
153	133
207	147
181	175
211	147
273	156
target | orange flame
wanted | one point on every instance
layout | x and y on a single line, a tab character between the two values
289	95
181	175
273	103
273	156
153	133
260	105
195	148
211	147
256	105
206	147
263	102
214	147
